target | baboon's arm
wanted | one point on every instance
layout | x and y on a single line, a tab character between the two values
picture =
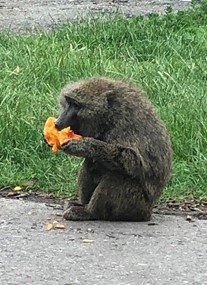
112	156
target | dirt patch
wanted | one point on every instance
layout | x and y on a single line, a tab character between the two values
23	15
31	195
190	207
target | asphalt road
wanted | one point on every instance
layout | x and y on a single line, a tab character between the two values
168	251
21	15
172	251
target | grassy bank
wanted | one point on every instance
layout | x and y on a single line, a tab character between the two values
166	55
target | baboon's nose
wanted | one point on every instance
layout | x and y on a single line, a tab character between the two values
58	126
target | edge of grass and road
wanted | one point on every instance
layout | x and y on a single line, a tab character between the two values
166	55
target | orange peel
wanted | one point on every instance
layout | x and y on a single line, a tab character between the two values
56	138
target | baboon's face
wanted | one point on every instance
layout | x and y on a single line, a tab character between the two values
90	107
69	116
82	113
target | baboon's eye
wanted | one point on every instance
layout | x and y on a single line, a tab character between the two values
73	103
67	99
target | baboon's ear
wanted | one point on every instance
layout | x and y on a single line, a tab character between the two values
71	100
110	97
67	99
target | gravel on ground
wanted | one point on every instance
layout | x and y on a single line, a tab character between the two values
25	15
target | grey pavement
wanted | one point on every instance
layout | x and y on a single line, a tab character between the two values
21	15
172	251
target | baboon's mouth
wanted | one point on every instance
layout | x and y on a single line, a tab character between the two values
76	131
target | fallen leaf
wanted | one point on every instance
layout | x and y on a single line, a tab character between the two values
87	240
59	226
22	195
17	188
55	225
17	70
49	227
10	194
189	218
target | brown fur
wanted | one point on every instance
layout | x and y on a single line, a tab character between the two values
127	151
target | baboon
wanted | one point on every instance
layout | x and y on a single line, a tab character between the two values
126	147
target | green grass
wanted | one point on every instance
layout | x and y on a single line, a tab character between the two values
166	55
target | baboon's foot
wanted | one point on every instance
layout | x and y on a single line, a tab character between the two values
70	203
76	213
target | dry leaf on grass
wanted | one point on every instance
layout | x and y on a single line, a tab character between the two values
17	188
17	69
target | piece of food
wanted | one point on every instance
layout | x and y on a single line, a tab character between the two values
55	225
17	188
59	226
87	240
56	138
49	227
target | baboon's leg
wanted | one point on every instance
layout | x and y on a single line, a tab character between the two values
88	179
85	188
120	201
70	203
77	213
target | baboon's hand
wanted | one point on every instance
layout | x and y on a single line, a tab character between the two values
112	156
46	141
79	148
